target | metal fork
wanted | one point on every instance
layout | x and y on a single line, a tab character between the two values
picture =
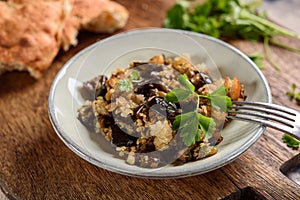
275	116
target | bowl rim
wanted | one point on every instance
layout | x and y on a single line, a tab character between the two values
86	156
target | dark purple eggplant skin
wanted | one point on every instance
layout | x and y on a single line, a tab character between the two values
94	88
87	118
148	86
206	79
167	109
101	86
158	105
120	138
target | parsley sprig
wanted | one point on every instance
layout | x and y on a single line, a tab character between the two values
229	19
188	124
291	141
125	85
293	94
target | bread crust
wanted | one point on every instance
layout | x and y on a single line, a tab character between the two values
26	41
34	30
99	16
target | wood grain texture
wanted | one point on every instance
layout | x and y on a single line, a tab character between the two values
35	164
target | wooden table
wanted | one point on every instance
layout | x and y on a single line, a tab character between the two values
35	164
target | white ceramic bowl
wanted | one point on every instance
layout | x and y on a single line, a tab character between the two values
116	51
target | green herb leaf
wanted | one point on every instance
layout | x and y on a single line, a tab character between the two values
293	94
258	59
188	126
230	19
297	98
188	133
176	123
198	136
182	120
177	95
219	100
176	14
291	141
134	75
184	81
125	85
221	91
207	124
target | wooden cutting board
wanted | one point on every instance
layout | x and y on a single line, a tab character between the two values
35	164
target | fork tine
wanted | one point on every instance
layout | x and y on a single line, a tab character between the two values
277	118
263	122
271	115
267	105
265	110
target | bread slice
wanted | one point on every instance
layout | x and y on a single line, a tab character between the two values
33	31
99	16
30	35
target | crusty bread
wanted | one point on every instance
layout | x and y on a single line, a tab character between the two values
26	41
32	31
100	16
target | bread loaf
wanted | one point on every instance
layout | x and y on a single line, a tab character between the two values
100	16
33	31
29	35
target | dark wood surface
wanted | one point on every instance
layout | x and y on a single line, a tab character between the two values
35	164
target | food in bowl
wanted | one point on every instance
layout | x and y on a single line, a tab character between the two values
161	111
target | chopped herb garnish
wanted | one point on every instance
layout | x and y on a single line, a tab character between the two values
184	81
134	75
258	59
177	95
205	123
230	19
293	94
188	124
218	99
125	85
297	97
291	141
